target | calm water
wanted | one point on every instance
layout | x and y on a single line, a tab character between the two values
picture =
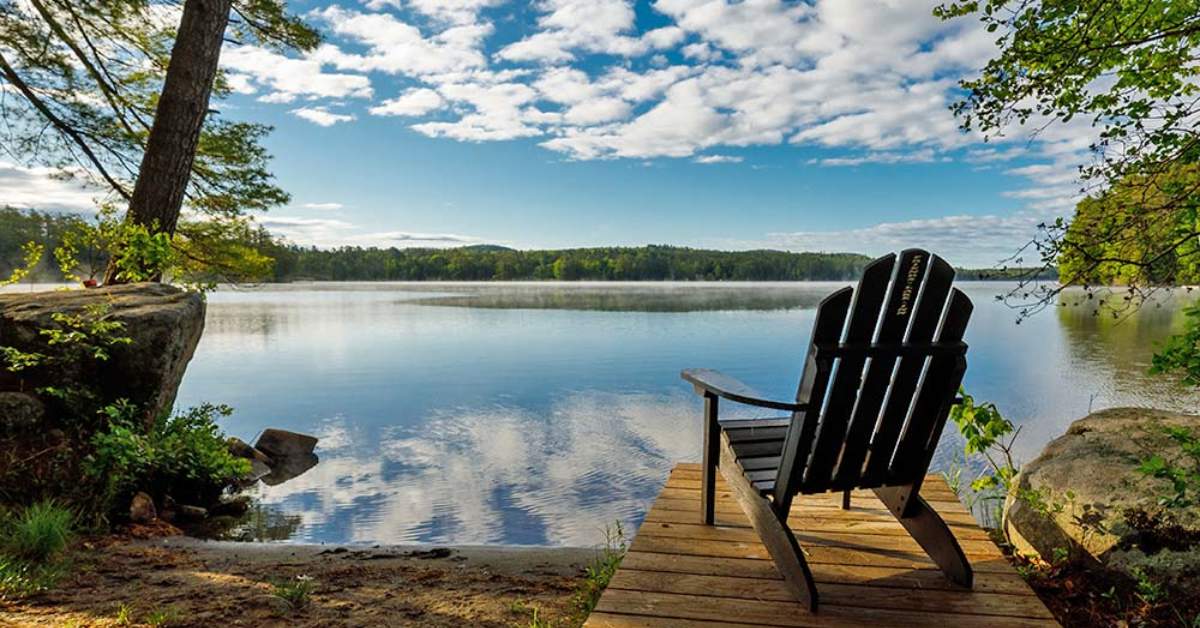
536	413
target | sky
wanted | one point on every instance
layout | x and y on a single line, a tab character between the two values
804	126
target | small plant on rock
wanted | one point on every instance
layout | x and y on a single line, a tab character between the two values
1185	477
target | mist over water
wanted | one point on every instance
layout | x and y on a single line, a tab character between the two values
536	413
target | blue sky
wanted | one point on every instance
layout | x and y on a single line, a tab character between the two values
561	123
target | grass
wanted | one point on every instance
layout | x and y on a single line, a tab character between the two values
31	546
124	615
20	579
600	572
38	533
162	617
295	594
534	613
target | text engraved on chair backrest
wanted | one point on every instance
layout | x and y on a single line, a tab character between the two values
910	286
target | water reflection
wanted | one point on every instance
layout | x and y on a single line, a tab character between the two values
537	413
668	297
494	475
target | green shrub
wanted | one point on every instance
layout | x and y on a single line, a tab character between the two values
38	533
184	456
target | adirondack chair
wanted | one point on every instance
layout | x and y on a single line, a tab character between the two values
881	374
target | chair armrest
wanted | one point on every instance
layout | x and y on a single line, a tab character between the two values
708	381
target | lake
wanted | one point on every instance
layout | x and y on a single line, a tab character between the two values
537	413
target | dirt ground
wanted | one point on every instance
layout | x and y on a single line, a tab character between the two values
183	582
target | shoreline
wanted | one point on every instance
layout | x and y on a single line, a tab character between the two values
185	581
513	559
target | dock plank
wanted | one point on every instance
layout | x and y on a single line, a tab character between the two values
869	572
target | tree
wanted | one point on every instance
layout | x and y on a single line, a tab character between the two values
116	92
1131	69
1129	236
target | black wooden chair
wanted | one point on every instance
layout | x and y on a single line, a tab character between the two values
882	371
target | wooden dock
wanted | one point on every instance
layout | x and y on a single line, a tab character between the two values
869	572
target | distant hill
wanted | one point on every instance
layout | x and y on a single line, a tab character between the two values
491	262
486	248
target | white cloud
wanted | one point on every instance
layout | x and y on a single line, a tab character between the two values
330	232
306	231
900	118
321	116
499	112
323	206
925	155
45	189
718	159
396	47
870	79
452	11
414	102
964	240
595	26
991	155
288	78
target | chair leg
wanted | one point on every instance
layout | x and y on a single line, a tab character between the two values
930	532
846	499
712	453
773	530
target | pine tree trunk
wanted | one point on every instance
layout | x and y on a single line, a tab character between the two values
171	147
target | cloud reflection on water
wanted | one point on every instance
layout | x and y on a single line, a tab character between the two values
474	475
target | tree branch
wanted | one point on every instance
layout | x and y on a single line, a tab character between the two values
11	75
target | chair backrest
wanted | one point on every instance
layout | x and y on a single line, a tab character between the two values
882	370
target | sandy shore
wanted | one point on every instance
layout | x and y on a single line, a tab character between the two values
203	583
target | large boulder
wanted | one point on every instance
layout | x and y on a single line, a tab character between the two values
163	323
1085	496
20	412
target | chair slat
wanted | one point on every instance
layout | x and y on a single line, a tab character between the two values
877	377
932	405
764	463
749	434
831	431
827	328
757	448
926	312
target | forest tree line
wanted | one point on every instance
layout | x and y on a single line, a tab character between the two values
293	262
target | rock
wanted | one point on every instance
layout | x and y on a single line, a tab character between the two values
288	468
258	471
284	444
291	454
164	324
1076	495
20	412
233	507
141	509
184	512
241	449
